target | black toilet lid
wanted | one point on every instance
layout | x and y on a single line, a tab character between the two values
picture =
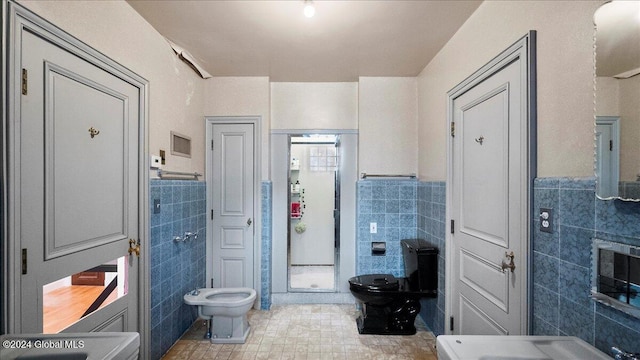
382	282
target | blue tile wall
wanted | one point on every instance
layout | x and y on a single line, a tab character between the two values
392	204
431	227
562	260
265	301
176	267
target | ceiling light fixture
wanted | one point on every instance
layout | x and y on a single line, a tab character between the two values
309	9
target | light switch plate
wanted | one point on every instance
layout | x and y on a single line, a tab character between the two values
373	228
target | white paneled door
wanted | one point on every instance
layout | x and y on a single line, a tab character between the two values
489	200
232	204
75	157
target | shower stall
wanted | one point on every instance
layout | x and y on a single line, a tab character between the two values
313	239
313	252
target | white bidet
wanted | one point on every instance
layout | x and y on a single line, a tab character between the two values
226	310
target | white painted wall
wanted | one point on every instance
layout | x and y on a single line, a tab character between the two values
607	96
241	96
565	80
310	106
175	91
388	125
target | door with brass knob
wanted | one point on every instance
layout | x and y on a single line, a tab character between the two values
231	168
78	207
488	195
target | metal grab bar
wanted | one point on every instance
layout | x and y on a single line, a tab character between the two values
410	176
166	173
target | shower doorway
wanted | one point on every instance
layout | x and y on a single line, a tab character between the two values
313	237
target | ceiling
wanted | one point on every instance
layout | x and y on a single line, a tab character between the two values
344	40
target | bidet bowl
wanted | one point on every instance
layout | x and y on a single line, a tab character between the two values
230	302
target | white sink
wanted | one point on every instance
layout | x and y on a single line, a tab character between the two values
484	347
71	346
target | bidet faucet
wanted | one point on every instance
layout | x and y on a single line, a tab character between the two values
195	292
619	354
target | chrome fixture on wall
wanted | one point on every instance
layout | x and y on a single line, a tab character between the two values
188	235
619	354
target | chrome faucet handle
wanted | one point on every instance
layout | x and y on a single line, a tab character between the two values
187	235
620	354
195	292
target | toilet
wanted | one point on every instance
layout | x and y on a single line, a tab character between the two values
389	305
226	310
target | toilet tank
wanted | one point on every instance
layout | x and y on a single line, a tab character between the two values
420	265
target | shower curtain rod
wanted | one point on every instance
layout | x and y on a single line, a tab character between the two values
410	176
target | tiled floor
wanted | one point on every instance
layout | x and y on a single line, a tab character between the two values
306	332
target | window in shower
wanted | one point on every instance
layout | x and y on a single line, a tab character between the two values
313	215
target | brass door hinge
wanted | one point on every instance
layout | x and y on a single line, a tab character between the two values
453	129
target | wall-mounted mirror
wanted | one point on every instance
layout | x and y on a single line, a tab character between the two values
617	52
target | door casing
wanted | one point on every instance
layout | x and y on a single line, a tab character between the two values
525	48
15	15
257	221
348	164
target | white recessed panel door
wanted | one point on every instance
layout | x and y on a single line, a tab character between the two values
77	152
233	205
489	203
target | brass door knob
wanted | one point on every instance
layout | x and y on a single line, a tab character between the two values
134	247
510	264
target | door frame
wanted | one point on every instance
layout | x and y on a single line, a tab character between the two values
256	121
525	49
336	218
17	15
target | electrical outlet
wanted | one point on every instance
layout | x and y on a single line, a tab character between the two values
546	220
373	228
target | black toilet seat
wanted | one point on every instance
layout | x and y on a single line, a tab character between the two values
375	282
